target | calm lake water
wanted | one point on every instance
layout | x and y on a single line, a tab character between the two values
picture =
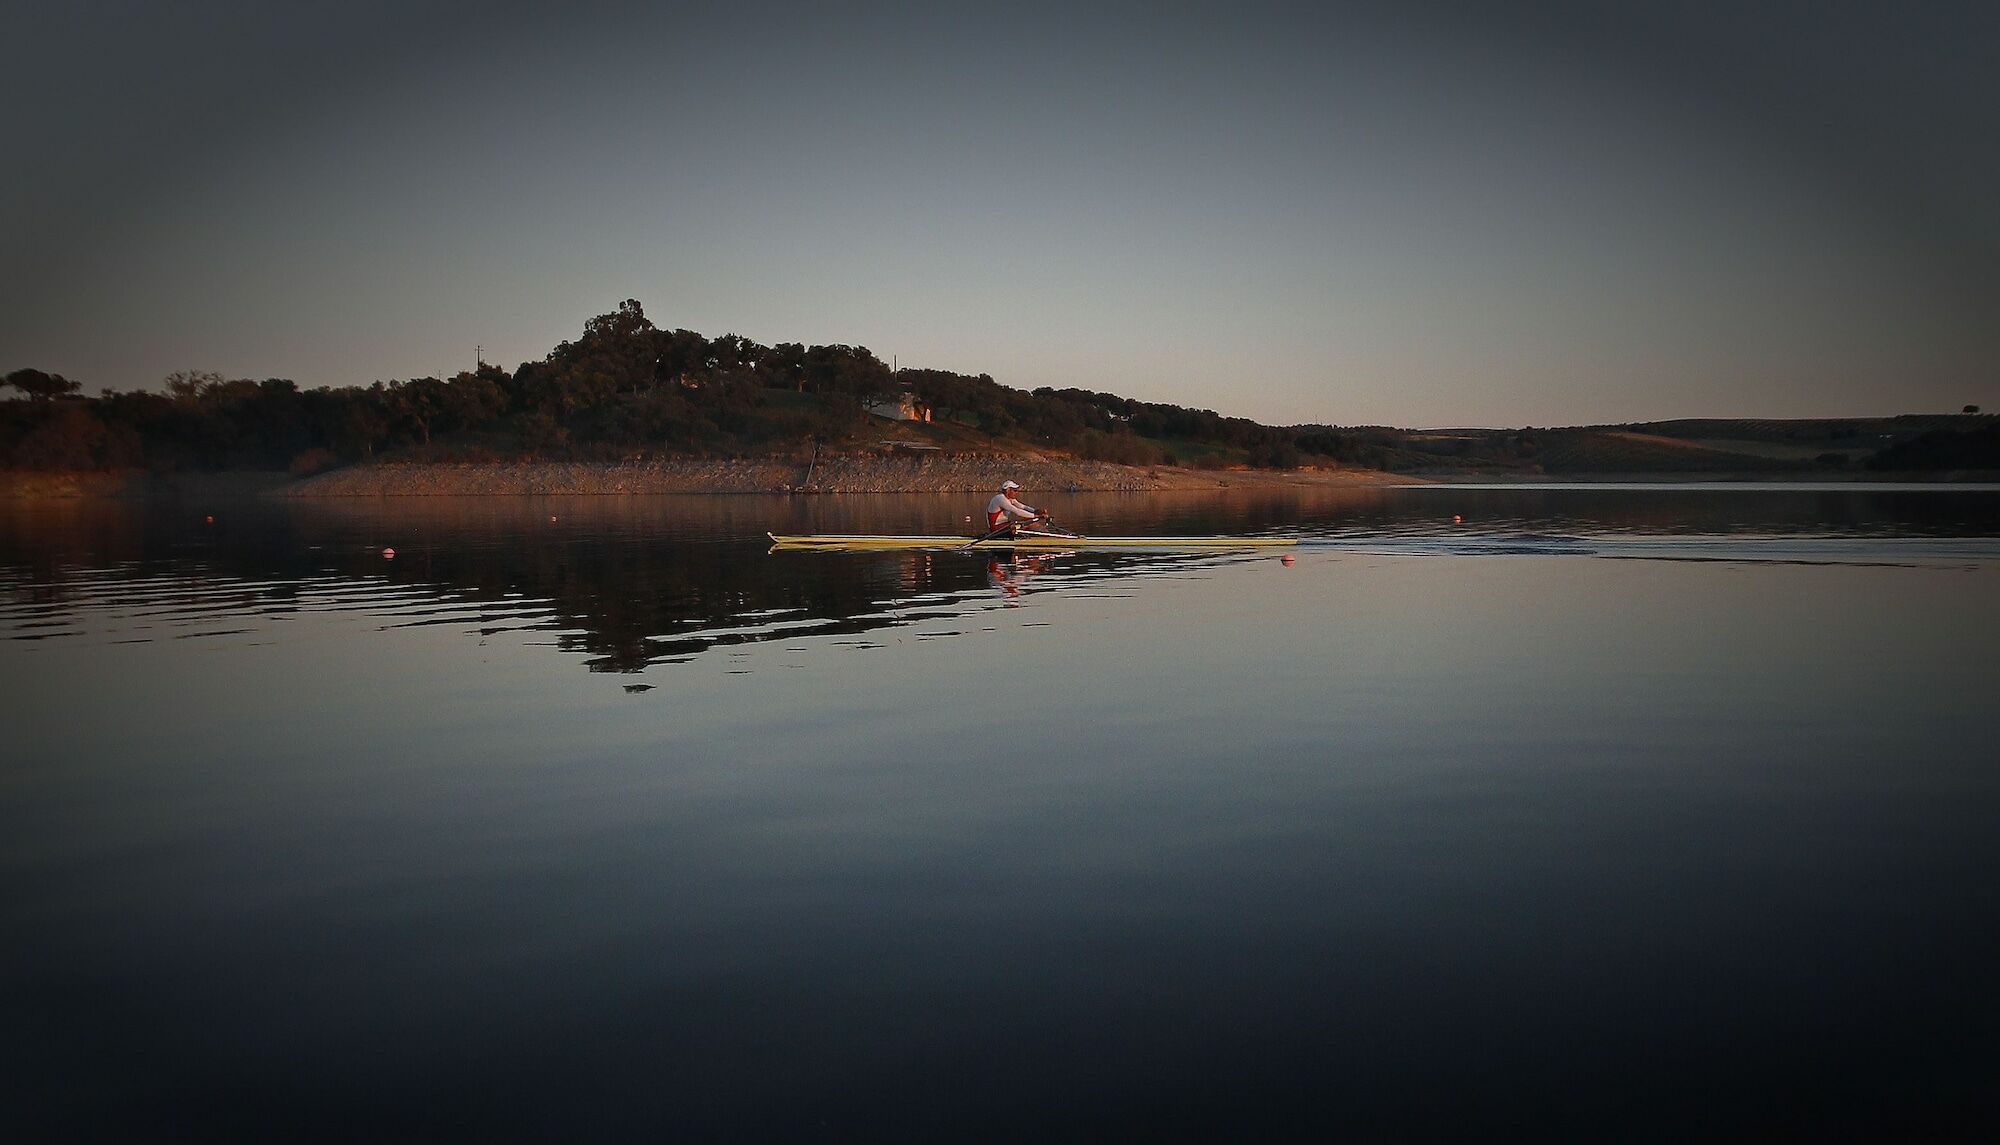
1627	813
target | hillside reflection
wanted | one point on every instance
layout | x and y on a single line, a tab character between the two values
629	582
623	583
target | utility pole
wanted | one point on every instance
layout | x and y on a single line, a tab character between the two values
478	357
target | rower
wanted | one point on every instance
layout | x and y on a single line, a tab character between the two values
1005	510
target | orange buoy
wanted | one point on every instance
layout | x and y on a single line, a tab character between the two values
1287	560
1457	520
388	554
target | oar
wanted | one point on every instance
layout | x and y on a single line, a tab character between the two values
987	537
1044	518
1068	534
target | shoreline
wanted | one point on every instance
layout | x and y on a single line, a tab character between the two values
698	476
829	475
966	473
137	485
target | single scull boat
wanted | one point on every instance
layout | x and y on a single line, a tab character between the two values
1022	540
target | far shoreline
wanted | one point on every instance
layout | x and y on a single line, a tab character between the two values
694	476
949	474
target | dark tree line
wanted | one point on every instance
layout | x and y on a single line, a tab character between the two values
1943	449
623	387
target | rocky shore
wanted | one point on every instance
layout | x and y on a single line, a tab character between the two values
946	473
865	474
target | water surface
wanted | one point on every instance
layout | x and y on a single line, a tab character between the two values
1637	813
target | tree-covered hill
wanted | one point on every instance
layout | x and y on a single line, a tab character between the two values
626	388
622	388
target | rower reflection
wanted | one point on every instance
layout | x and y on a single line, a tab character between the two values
1008	574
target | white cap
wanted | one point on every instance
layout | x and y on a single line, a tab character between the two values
1008	485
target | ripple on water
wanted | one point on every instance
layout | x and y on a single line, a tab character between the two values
765	599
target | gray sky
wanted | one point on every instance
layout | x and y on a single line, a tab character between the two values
1453	214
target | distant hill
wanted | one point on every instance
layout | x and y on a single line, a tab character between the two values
626	389
1627	451
1943	449
1703	446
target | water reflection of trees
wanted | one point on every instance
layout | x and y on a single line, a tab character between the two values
629	582
625	583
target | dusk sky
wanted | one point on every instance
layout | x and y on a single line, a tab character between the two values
1418	215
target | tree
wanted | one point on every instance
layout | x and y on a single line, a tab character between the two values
618	353
851	370
434	406
785	365
42	387
356	420
477	398
190	386
679	354
732	350
70	437
419	402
